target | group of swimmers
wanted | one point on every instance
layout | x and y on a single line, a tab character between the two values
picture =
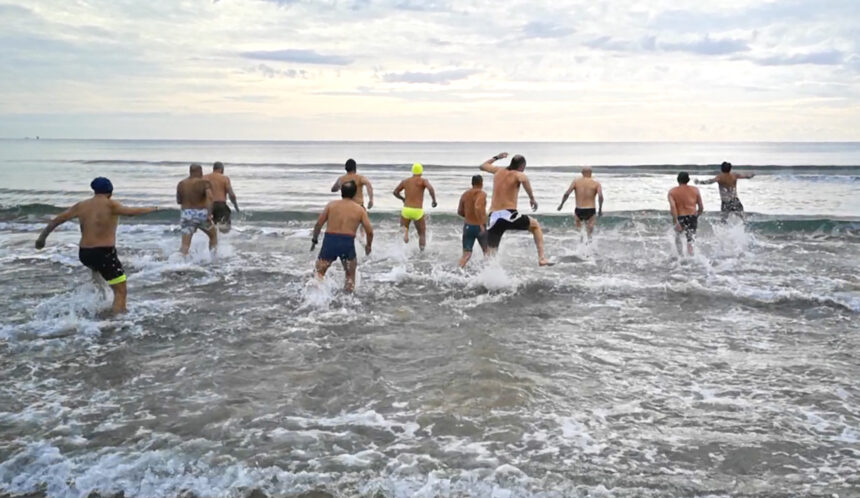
203	203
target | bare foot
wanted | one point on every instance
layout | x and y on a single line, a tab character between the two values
544	262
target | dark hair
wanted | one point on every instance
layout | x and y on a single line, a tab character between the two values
683	177
350	165
517	162
347	190
726	167
218	166
477	180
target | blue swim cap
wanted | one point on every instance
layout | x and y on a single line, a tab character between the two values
102	185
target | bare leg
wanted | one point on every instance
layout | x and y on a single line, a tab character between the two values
589	225
186	243
464	258
405	224
679	244
421	225
534	228
119	298
349	266
320	269
213	237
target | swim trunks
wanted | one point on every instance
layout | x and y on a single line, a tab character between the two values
336	245
105	261
502	221
413	214
192	219
584	214
221	213
732	206
471	233
689	224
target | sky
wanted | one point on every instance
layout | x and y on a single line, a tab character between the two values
590	70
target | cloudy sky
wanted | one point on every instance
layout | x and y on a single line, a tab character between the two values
431	70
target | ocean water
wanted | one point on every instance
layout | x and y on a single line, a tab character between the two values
623	370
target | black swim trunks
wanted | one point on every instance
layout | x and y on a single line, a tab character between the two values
105	261
689	225
584	214
732	206
220	213
502	221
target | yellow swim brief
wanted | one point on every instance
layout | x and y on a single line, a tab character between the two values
413	214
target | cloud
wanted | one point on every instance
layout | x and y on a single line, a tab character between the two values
542	29
297	56
436	78
270	72
708	46
823	58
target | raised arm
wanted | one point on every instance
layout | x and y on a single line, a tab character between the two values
232	195
566	195
527	186
488	164
398	189
706	182
58	220
321	220
369	192
368	231
432	192
600	199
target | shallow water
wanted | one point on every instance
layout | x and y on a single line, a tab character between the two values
623	370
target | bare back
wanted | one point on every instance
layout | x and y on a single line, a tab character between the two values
414	191
191	193
344	216
98	221
586	190
506	189
359	181
474	202
685	198
220	185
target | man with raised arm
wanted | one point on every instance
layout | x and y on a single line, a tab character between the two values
342	218
360	181
413	203
98	217
194	195
221	189
473	209
728	185
685	204
586	190
503	210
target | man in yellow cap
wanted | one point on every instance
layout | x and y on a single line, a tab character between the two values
413	203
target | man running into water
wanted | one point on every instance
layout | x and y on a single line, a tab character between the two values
728	185
685	203
503	210
473	208
97	247
194	195
221	189
360	183
586	190
413	203
342	219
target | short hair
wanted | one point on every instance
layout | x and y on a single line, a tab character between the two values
218	166
348	189
726	167
195	167
350	165
517	162
683	178
477	180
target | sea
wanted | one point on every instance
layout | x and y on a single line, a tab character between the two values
623	370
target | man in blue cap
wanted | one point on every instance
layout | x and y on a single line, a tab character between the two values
98	218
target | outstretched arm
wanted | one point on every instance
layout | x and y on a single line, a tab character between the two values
488	164
527	186
745	176
369	193
398	189
231	195
323	217
706	182
120	210
566	195
58	220
600	200
432	192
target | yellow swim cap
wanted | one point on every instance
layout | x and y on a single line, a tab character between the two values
417	169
